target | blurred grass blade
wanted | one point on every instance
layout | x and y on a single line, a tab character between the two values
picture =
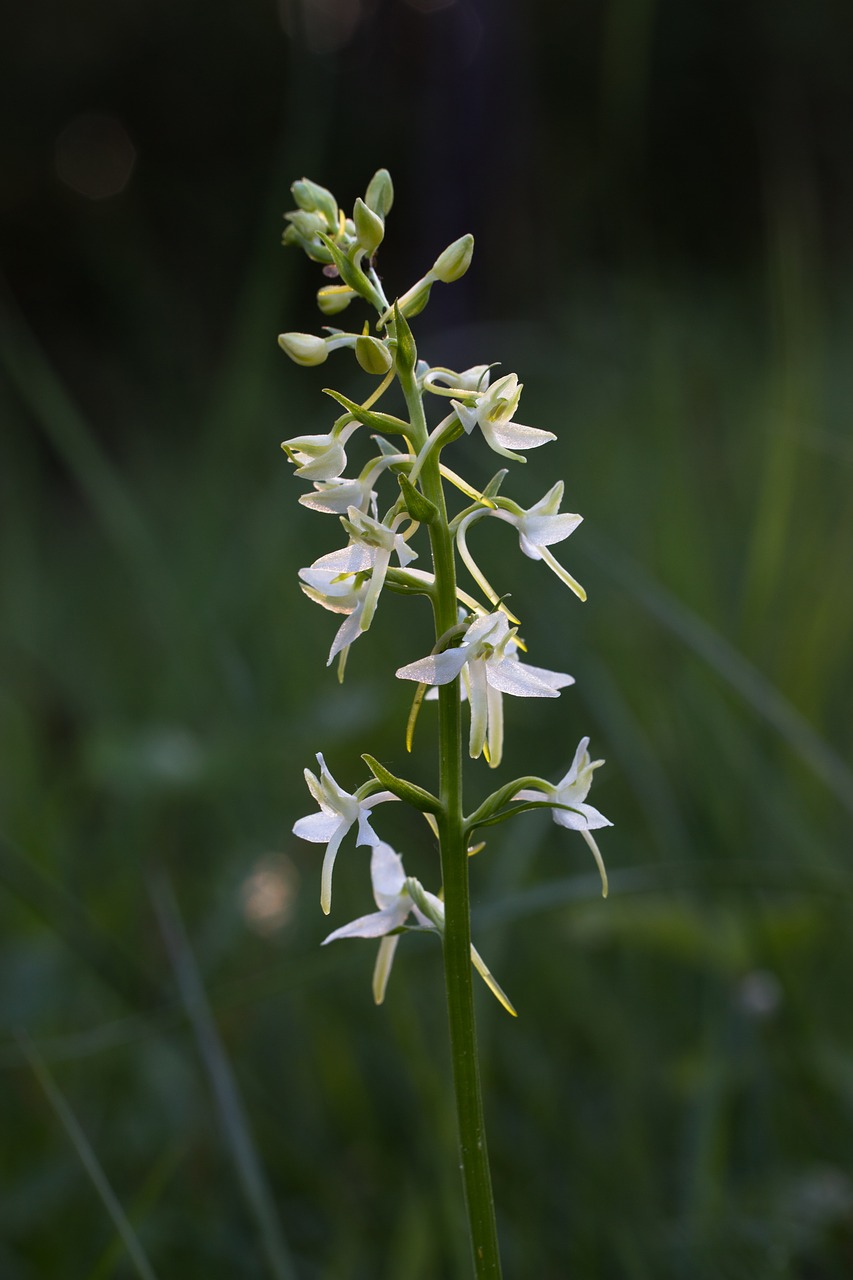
235	1124
65	916
88	1159
43	394
740	674
150	1193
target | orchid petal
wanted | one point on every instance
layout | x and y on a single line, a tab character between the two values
439	668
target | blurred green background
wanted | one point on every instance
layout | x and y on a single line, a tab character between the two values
662	196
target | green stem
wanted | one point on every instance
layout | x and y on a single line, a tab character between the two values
454	867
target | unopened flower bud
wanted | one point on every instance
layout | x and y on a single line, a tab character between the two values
304	348
373	355
379	195
455	260
333	298
311	197
369	227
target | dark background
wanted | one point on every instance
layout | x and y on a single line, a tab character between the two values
661	196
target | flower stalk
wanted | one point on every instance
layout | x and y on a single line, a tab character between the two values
475	654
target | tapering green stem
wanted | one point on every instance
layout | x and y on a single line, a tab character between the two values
454	867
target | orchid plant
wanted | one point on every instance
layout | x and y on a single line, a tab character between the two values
476	653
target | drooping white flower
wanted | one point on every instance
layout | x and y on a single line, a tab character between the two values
336	495
572	791
338	592
398	896
320	457
540	526
338	812
377	542
488	663
350	580
493	411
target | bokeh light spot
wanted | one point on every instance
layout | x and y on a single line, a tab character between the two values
94	156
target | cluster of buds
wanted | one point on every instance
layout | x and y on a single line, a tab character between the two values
483	650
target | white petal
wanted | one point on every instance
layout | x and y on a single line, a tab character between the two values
439	668
513	677
571	776
366	834
387	875
556	679
581	817
355	558
468	417
317	827
513	435
376	925
544	531
347	633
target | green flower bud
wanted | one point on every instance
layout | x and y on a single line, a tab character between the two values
304	348
304	230
380	193
373	355
455	260
369	227
311	197
333	298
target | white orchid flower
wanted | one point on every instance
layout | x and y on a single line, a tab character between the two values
488	663
320	457
338	592
338	812
573	790
338	494
377	542
350	580
539	527
398	896
492	412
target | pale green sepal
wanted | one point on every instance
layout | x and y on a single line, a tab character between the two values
412	794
